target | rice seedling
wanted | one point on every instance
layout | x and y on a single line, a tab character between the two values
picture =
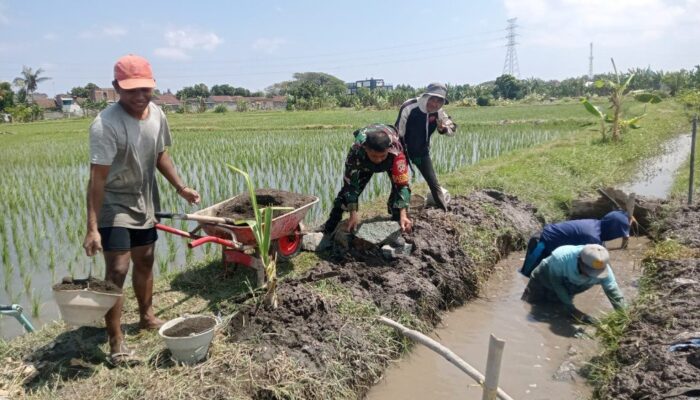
36	304
27	282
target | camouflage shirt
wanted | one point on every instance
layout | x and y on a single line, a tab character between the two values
358	169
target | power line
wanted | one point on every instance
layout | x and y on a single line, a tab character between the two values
510	66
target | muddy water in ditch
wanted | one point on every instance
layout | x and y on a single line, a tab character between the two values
543	348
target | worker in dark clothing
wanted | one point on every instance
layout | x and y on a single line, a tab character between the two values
417	121
571	270
376	149
614	225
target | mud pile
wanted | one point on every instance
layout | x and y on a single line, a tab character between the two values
437	275
684	226
650	367
240	207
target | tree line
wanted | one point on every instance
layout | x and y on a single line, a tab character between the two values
318	90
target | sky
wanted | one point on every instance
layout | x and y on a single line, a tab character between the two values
254	44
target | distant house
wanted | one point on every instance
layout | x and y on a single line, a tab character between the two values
230	102
45	103
107	94
68	104
370	84
267	103
167	102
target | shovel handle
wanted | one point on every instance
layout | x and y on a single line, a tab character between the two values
194	217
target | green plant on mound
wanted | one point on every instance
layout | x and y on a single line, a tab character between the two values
262	230
220	109
618	90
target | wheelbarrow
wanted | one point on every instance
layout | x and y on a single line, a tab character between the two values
237	240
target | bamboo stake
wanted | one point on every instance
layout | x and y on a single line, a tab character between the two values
493	368
444	352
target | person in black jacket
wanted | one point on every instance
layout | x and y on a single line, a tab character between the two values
418	118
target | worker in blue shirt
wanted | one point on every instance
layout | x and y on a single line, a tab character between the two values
614	225
571	270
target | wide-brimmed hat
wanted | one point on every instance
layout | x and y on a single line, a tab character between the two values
595	260
438	90
133	72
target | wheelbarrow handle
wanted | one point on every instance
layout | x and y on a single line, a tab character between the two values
194	217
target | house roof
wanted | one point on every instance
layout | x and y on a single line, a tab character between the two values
166	99
108	94
45	103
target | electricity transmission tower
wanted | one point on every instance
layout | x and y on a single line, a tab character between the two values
510	66
590	64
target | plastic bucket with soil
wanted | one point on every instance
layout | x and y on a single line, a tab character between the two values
188	337
84	302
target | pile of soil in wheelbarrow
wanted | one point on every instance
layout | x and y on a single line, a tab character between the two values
656	355
321	332
91	283
190	326
240	207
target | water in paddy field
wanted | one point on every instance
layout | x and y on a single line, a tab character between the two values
543	349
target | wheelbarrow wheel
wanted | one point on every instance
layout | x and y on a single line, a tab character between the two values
289	246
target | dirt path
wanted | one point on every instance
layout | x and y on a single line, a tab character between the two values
543	348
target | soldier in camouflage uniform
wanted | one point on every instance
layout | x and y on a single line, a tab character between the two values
376	149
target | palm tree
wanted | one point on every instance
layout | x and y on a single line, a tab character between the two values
29	81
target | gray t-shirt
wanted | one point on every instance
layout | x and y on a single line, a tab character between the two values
130	147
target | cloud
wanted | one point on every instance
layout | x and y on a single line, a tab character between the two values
110	31
171	53
189	39
4	19
114	31
50	36
181	42
571	23
268	45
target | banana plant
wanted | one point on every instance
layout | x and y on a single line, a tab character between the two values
618	90
262	230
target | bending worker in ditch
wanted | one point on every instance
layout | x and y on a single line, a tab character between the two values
376	149
614	225
571	270
128	142
417	121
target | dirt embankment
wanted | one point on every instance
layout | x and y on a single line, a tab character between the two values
439	274
650	368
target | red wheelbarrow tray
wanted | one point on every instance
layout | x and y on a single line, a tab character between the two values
241	236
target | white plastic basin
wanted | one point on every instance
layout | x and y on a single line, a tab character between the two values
84	307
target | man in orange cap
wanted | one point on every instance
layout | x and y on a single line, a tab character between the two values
128	142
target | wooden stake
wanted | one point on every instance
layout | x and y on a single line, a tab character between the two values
444	352
493	368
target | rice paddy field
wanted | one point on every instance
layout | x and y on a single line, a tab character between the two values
44	172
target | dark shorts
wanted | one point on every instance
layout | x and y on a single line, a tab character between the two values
116	238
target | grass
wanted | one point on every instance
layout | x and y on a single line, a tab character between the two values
549	175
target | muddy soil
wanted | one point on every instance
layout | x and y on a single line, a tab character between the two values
190	326
241	208
93	284
648	369
438	275
684	226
